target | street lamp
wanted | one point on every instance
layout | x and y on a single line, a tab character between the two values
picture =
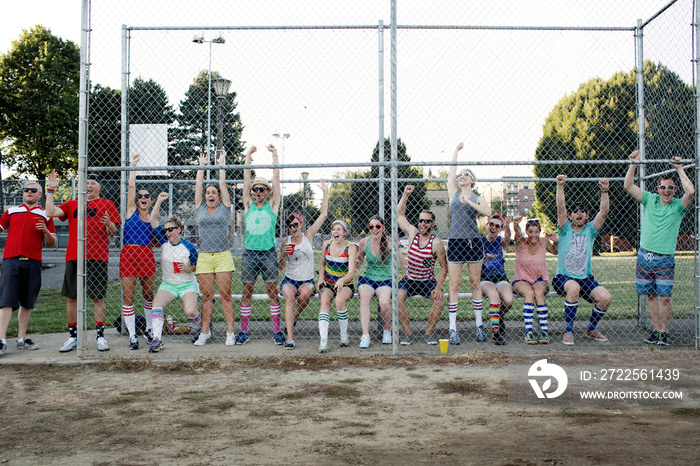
283	137
305	177
215	40
221	87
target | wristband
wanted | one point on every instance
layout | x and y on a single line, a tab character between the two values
50	191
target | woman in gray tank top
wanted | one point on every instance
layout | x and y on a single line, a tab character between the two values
464	244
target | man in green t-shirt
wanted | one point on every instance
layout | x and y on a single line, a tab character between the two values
660	224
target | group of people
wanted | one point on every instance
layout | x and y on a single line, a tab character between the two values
190	271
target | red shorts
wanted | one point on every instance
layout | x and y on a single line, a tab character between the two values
136	261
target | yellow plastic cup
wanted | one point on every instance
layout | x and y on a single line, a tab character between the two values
444	344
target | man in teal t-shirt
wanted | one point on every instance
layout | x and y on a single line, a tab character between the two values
655	262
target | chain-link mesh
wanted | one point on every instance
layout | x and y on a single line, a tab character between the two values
312	91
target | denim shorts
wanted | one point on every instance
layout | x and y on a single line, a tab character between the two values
655	273
465	250
417	287
296	283
372	283
259	262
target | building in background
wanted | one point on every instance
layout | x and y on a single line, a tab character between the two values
513	196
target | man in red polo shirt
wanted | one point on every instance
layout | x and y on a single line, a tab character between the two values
27	226
101	222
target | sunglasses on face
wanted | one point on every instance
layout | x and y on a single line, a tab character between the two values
33	190
374	227
495	225
425	220
169	229
259	190
578	210
462	175
662	188
294	225
145	196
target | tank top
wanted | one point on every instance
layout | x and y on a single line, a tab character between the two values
375	270
336	266
213	228
260	228
300	265
136	231
493	267
530	267
463	219
421	262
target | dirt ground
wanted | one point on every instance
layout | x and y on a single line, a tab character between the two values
318	410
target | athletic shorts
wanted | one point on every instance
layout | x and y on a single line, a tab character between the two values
213	262
254	263
463	250
136	261
497	280
96	277
417	287
331	286
655	273
296	283
372	283
180	290
587	285
20	283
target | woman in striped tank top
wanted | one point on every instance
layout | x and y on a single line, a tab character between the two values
335	275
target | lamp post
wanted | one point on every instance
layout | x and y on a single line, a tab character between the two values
215	40
305	177
282	136
221	87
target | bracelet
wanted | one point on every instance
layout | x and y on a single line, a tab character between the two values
50	191
603	192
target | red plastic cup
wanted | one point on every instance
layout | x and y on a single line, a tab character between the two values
290	248
178	266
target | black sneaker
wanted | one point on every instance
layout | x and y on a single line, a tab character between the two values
663	339
27	344
652	339
3	347
498	339
148	334
133	342
289	345
501	323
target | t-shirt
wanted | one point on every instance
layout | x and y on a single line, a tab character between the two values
97	244
213	228
660	224
183	252
260	228
575	250
23	239
300	265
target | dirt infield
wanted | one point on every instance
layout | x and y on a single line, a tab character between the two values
317	410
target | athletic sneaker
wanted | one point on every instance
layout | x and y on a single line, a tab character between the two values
3	347
386	337
454	337
102	344
27	344
279	338
323	347
242	338
480	335
430	339
148	334
202	340
498	339
568	338
344	340
544	338
69	345
156	345
530	338
364	341
133	342
407	340
663	339
230	338
653	339
289	345
595	335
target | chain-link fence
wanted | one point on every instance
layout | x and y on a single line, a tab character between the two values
529	98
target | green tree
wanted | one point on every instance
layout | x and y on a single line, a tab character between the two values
39	84
104	129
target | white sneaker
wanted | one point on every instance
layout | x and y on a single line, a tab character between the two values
386	339
69	345
364	341
203	337
102	344
230	339
344	340
323	347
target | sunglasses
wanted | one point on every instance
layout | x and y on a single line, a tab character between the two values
294	225
662	188
578	210
495	225
461	175
425	220
169	229
374	227
146	196
33	190
258	190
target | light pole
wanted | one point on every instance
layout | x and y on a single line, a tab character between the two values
283	137
305	177
221	87
215	40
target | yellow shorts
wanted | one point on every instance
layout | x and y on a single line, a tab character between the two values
213	262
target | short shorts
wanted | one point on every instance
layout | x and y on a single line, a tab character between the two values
296	283
461	250
417	287
497	280
587	285
20	283
180	290
372	283
259	262
96	276
331	286
213	262
136	261
655	273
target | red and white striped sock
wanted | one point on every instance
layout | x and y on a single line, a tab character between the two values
129	319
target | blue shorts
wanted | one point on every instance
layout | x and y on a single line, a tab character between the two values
417	287
296	283
372	283
497	280
465	250
655	273
259	262
587	285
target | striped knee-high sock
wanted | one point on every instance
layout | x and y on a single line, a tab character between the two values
245	318
596	315
528	314
494	316
129	319
452	312
196	321
343	321
478	310
275	313
323	323
542	312
570	310
158	317
147	310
